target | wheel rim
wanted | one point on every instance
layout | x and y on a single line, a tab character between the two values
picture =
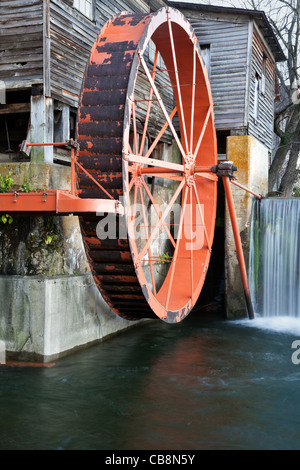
169	273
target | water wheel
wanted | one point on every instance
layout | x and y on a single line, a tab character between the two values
146	134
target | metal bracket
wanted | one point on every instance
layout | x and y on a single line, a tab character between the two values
224	169
73	144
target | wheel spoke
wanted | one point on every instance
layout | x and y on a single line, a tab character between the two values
132	216
202	218
178	85
193	96
167	176
134	127
160	134
147	236
192	260
159	213
160	101
176	250
155	162
131	183
203	130
129	148
149	106
161	220
208	176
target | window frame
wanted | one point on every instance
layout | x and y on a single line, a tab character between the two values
257	89
206	56
78	3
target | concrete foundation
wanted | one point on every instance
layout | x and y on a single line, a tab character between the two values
43	318
251	158
50	305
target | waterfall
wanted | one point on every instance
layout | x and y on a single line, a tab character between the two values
274	263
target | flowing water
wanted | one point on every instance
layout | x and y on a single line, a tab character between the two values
274	274
206	383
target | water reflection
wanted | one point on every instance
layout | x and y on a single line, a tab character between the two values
202	384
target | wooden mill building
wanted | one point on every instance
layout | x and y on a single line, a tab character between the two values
45	45
241	50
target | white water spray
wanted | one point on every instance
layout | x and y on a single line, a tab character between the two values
274	265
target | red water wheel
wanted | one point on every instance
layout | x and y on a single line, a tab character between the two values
146	135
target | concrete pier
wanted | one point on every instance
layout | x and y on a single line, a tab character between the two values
44	318
251	159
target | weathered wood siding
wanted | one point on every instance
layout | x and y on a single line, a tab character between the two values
261	126
72	36
228	40
21	41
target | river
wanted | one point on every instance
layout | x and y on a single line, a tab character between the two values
206	383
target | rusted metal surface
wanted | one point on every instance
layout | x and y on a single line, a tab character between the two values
55	202
100	135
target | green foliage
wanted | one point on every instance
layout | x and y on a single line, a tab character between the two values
296	191
48	239
6	182
6	218
164	258
26	188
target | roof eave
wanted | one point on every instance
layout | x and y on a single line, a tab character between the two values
259	16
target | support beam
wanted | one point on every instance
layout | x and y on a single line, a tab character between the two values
238	244
14	108
41	128
62	126
55	202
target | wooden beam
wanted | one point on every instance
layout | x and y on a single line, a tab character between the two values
15	108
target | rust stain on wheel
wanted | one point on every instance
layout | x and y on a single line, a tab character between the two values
124	93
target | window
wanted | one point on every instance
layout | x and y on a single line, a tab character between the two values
256	96
264	74
86	7
205	52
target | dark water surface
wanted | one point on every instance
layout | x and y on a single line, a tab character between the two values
202	384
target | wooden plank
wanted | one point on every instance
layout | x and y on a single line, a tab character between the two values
22	58
12	84
19	3
15	108
262	128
